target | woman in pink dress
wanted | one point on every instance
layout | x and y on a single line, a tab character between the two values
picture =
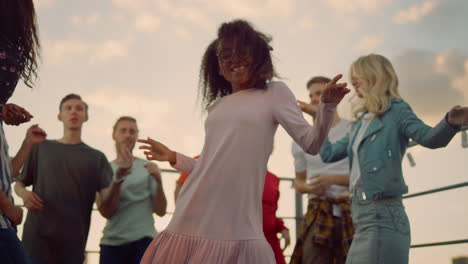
218	215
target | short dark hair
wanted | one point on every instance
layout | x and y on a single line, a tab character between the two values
69	97
317	79
123	118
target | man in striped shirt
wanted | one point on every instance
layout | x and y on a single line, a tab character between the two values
11	215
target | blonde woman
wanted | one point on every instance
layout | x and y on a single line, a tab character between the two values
375	147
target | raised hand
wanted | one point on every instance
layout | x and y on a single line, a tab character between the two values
153	169
32	201
458	116
308	108
14	115
157	151
334	91
125	163
35	135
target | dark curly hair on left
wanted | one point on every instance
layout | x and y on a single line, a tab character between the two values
18	30
212	85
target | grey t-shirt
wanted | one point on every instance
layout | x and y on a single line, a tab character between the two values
66	177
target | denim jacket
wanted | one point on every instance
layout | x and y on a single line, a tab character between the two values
383	147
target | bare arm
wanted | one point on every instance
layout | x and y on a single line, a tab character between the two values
300	182
303	187
34	135
323	181
31	200
8	209
158	200
108	200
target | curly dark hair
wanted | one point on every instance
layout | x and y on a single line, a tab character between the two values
212	85
18	29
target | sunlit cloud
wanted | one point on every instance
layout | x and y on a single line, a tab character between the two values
200	13
414	13
87	20
357	6
368	43
42	4
253	9
306	23
59	51
182	32
432	82
148	110
108	50
461	81
192	14
148	23
451	63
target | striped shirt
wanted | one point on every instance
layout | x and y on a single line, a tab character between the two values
11	67
5	175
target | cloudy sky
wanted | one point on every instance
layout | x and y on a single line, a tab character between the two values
142	58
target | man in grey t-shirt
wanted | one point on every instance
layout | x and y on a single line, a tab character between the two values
65	175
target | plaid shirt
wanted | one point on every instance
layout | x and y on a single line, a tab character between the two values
319	222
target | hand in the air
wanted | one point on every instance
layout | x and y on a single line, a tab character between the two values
35	135
153	169
125	164
157	151
334	91
14	115
458	116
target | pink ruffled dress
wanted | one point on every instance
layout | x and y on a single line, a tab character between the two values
218	215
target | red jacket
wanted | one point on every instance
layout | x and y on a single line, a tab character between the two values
271	224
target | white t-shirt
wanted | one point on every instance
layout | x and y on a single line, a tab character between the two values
355	170
314	164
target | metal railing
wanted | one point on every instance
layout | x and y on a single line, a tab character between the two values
299	201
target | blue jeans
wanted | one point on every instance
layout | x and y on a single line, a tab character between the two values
11	249
130	253
382	231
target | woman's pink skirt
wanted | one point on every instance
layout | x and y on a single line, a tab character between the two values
172	248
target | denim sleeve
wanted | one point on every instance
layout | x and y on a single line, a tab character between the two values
430	137
336	151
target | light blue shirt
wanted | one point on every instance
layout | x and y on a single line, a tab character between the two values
134	217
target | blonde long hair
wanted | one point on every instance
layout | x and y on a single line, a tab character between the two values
379	84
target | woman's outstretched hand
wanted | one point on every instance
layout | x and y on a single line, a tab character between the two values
334	91
157	151
458	116
15	115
